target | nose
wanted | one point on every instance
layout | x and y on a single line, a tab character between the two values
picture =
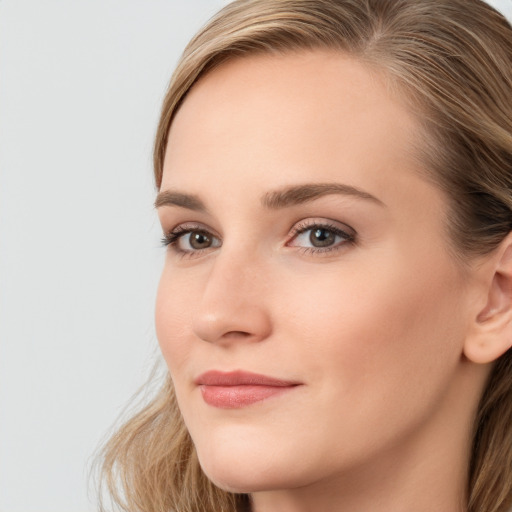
233	306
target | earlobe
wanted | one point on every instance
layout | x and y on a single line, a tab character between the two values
491	335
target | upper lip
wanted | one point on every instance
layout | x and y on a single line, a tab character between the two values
240	378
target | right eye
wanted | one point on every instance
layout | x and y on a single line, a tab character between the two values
186	240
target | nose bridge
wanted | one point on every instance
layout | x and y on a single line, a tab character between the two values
233	302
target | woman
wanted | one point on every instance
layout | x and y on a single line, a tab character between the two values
335	308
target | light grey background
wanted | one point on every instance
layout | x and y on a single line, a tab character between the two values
81	84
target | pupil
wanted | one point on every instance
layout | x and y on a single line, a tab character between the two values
200	240
321	237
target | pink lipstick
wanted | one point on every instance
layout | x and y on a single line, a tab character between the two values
234	390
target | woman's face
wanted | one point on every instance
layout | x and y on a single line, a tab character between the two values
305	248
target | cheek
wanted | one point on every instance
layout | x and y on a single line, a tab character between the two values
376	333
173	317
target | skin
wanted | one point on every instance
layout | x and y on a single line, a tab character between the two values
374	329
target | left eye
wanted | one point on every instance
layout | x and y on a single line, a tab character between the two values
320	237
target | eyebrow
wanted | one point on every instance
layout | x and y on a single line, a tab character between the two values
310	191
175	198
274	200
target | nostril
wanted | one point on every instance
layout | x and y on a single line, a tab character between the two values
236	334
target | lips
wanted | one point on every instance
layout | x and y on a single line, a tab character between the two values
234	390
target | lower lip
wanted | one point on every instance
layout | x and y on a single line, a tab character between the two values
236	397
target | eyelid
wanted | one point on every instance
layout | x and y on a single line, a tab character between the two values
184	227
314	222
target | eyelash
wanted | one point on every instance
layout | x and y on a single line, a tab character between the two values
172	238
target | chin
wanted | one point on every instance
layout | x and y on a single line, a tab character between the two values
234	472
245	481
246	471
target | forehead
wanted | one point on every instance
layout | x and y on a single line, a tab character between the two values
290	114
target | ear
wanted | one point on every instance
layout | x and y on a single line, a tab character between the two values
491	335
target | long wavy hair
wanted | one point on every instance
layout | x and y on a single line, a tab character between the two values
451	60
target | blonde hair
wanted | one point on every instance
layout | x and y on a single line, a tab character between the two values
452	59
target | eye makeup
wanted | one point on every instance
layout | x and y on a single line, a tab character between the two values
313	236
